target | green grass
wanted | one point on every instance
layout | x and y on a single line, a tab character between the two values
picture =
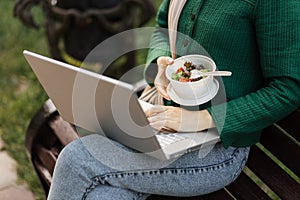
20	93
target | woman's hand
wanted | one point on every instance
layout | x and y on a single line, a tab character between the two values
179	119
161	82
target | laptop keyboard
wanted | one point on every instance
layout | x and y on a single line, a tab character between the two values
166	139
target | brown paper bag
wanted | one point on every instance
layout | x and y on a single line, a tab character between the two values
151	95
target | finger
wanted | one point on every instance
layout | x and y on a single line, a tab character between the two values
154	110
163	92
164	61
159	125
157	118
163	125
168	130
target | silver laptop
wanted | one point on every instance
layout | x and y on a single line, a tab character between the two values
110	107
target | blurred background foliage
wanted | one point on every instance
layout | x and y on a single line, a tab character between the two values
21	95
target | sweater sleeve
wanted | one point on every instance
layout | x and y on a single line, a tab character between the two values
277	25
159	45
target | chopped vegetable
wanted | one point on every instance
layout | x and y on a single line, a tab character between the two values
184	73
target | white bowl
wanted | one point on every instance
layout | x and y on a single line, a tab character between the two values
191	90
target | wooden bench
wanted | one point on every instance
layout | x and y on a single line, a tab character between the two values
272	171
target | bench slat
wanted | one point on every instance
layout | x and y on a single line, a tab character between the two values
220	194
244	188
282	147
63	130
47	158
157	197
44	173
291	124
271	174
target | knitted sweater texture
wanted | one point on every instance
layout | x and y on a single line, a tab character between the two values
259	41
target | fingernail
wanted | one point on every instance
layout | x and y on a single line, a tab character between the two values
170	60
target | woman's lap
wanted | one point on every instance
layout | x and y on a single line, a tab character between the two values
94	167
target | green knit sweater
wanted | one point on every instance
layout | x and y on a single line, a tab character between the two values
259	41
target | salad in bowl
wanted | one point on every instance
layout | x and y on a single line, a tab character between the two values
186	80
189	72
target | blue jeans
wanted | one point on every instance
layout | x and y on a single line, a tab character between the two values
94	167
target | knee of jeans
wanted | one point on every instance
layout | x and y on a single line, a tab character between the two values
69	156
244	158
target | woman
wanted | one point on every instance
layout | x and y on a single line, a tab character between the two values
259	41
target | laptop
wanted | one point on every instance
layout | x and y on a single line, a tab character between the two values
103	105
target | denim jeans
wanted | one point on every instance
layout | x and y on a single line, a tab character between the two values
94	167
